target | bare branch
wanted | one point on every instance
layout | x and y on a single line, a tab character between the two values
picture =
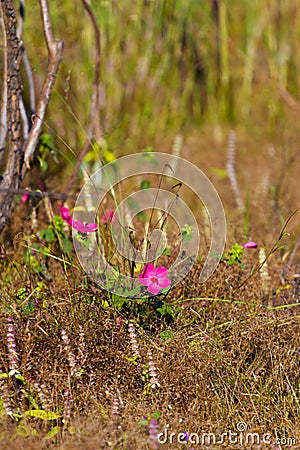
21	18
38	193
25	122
55	52
25	118
26	61
30	82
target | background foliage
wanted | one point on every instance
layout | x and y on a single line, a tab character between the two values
169	64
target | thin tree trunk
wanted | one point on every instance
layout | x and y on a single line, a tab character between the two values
12	175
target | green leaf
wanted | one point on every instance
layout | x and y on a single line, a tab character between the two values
187	233
166	310
145	184
47	234
235	254
58	222
22	293
21	378
219	172
133	292
72	430
148	156
117	301
144	422
28	308
31	399
142	216
166	336
42	414
45	140
132	204
67	245
53	432
43	163
4	375
133	360
186	237
84	241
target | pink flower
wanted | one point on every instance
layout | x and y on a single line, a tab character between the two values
76	224
108	217
82	227
154	278
250	245
24	198
64	212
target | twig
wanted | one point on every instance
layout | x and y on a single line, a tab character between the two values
55	52
95	127
37	193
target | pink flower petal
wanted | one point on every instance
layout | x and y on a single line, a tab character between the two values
144	281
24	198
108	217
77	225
153	288
148	271
64	212
89	227
161	272
250	245
164	283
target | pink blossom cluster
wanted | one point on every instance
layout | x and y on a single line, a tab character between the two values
76	224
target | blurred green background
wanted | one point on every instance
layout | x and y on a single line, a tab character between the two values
168	66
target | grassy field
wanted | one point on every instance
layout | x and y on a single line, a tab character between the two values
81	368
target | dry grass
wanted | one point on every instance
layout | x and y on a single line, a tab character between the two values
230	359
